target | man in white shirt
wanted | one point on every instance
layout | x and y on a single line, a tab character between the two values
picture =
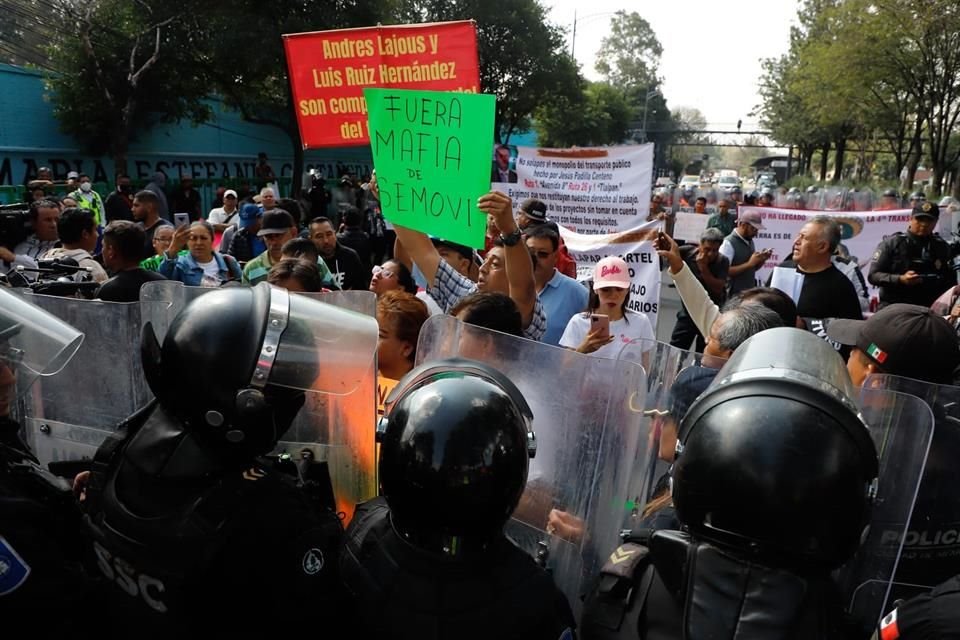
225	216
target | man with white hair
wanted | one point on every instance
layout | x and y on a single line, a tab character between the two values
268	198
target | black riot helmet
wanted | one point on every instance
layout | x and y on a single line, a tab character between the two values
774	460
235	362
456	441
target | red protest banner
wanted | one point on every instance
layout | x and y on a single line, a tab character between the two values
329	70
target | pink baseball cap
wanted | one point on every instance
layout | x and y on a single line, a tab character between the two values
611	272
752	218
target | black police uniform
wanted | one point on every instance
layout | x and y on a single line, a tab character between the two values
930	616
194	533
430	560
405	592
42	576
188	546
902	252
764	528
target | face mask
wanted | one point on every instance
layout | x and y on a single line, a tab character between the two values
85	187
126	188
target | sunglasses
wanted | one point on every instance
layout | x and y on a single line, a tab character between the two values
543	255
383	273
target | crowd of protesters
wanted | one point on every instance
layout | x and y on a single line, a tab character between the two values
338	240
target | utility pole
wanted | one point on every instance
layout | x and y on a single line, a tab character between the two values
573	40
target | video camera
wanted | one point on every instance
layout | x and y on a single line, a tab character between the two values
57	277
15	224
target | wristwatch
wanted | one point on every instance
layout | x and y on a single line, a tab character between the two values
511	238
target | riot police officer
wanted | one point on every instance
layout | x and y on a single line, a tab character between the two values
930	616
913	267
429	559
765	527
40	526
194	531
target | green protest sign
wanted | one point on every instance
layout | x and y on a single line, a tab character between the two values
431	150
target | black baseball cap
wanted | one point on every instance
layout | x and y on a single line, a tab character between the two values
926	208
464	251
535	209
904	340
276	221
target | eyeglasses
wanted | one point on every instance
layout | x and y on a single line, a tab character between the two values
383	273
542	254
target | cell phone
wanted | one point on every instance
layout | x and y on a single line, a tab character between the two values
601	323
180	219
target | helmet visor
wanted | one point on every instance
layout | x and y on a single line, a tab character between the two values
33	342
315	346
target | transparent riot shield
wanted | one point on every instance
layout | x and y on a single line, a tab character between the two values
931	544
587	435
902	428
336	428
675	378
68	416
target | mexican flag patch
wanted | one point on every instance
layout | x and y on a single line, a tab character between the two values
876	353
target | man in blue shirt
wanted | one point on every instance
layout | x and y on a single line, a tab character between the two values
561	296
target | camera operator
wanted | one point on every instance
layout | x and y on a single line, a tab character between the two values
78	236
913	267
44	216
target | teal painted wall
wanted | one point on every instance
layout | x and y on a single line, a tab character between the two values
224	147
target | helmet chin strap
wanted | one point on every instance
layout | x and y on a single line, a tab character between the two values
251	400
276	324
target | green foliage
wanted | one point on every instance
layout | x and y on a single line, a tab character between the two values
630	55
27	27
861	70
119	67
599	115
243	58
522	57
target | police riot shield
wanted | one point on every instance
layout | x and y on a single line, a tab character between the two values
337	422
902	428
32	343
860	200
931	544
68	416
675	378
587	435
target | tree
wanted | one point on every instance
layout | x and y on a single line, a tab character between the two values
740	158
256	83
26	29
523	60
630	56
120	67
599	116
785	114
689	144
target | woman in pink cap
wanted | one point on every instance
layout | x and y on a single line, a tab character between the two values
607	324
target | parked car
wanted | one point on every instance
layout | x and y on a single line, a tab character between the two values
689	182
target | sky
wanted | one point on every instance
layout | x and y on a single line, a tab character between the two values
711	50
